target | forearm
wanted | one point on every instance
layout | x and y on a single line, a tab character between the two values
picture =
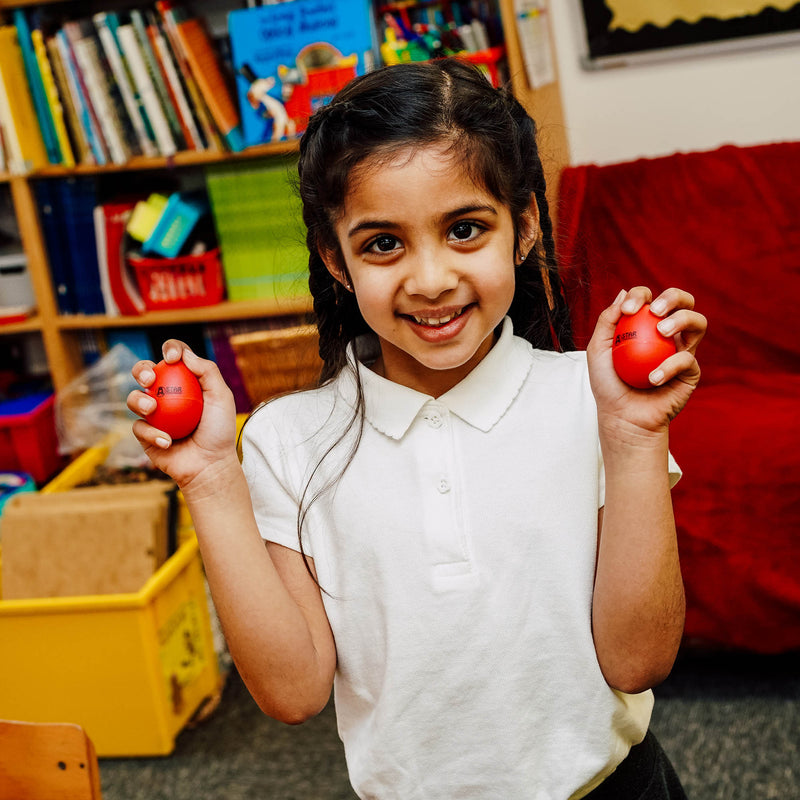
279	649
638	604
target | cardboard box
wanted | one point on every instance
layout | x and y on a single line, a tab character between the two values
85	541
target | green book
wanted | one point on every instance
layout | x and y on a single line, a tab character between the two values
260	229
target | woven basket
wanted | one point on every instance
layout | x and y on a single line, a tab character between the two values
278	361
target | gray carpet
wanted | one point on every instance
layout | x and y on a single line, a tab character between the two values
730	724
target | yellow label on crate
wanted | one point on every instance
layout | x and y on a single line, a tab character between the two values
183	656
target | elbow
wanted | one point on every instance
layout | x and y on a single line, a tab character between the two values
291	710
635	671
637	678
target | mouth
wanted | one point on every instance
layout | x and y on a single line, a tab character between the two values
437	321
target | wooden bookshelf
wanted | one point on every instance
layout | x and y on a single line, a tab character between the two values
61	333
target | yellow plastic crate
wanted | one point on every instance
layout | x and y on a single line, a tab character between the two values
132	669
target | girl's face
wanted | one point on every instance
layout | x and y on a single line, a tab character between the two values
430	257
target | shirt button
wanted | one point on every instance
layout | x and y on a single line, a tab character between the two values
434	419
443	486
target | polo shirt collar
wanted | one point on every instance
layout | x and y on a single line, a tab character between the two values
481	399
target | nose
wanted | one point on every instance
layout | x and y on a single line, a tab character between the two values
431	274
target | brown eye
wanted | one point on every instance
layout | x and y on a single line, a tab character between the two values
464	231
383	244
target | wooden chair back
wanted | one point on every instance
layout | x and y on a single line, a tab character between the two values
47	761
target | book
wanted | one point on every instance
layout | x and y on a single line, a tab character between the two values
77	136
106	24
120	291
36	86
210	134
291	58
147	91
77	197
80	96
174	84
86	48
21	133
53	98
206	69
140	26
55	237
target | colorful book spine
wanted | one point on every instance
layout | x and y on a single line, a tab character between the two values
22	134
53	98
203	115
137	20
172	79
87	55
80	96
106	30
207	72
147	91
36	87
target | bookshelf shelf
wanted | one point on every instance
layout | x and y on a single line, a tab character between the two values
33	323
185	158
220	312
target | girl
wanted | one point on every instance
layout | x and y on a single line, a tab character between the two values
468	525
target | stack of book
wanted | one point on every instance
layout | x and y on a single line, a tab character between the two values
105	88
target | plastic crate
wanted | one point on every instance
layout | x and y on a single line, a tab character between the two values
131	669
183	282
28	439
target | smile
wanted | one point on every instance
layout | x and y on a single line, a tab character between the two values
437	322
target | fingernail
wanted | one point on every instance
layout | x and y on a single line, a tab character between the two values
147	376
619	297
666	326
172	354
656	376
629	305
162	442
658	307
149	405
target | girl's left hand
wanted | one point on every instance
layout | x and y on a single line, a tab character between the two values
651	409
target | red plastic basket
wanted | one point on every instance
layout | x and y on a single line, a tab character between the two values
182	282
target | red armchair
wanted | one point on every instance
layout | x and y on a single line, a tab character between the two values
725	225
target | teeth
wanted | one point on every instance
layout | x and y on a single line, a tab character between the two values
436	321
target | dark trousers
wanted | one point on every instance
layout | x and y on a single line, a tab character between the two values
646	774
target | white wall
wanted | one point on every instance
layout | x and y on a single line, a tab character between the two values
695	103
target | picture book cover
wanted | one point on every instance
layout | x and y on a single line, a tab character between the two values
291	58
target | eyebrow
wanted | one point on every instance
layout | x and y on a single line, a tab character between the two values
380	224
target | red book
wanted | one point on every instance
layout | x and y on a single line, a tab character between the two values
120	292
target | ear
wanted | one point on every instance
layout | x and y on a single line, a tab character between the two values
333	263
528	230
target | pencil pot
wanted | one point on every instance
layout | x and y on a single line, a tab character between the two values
182	282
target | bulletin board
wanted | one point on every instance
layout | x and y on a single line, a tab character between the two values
623	32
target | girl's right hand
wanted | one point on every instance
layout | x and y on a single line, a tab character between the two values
213	440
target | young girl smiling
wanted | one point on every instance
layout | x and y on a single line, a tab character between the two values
468	526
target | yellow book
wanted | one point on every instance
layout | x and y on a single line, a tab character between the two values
20	125
53	98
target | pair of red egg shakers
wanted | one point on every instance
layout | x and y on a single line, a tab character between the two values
638	348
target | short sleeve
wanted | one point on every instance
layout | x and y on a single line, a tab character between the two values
273	491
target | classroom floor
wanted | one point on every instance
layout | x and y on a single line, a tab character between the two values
730	724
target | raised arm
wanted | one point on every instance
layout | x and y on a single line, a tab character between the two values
638	605
270	608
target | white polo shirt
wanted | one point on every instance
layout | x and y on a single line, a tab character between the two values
457	552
